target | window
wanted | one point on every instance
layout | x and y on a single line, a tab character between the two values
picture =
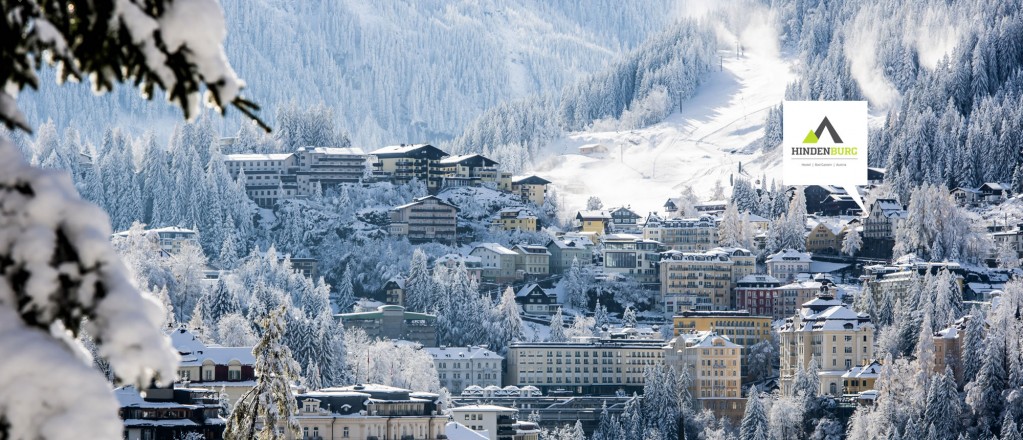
184	374
234	375
344	432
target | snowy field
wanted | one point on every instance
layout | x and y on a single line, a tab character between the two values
704	142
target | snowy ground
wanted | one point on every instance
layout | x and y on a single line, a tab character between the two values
697	146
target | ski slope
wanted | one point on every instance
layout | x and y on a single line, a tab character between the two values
704	142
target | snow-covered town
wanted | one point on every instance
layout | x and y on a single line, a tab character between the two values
509	220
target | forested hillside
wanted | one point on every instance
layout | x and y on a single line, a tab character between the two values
392	71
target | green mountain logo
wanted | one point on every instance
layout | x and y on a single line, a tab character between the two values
814	135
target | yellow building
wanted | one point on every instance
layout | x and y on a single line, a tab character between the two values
738	326
861	378
715	365
532	189
702	280
828	331
827	233
595	222
514	219
369	411
597	366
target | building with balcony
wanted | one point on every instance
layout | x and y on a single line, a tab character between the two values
685	234
702	280
624	220
170	413
596	222
370	411
537	301
473	170
515	219
790	297
460	367
715	366
407	162
533	261
828	331
740	327
861	377
393	322
593	366
425	219
169	240
532	189
786	264
270	177
631	256
394	291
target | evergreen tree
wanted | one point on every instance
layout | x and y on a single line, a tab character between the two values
973	346
507	321
575	287
984	394
1010	430
629	318
852	243
600	316
557	328
270	402
345	297
754	420
418	284
312	376
942	408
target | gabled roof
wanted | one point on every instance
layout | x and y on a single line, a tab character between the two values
570	244
421	200
194	352
593	215
531	249
529	180
758	278
473	159
495	248
626	211
530	288
789	255
410	150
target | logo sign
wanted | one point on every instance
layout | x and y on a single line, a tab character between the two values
825	143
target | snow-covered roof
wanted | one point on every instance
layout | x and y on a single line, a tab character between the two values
421	200
788	256
485	408
594	214
458	431
530	180
452	160
531	249
400	149
457	258
194	352
335	151
869	371
826	266
495	248
758	278
707	339
251	156
525	290
472	352
571	244
164	230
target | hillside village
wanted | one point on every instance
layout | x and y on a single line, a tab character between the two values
753	291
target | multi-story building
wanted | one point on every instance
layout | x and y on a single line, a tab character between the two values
170	413
473	170
715	365
740	327
404	163
212	366
533	261
498	262
425	219
565	252
828	331
515	219
883	218
533	189
861	378
826	235
537	301
757	294
948	348
791	297
393	322
1011	238
702	280
595	222
631	256
169	239
625	221
495	422
459	367
369	411
269	177
786	264
394	291
595	366
554	411
685	234
473	265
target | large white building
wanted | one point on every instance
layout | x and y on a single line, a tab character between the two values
786	264
828	331
370	411
460	367
169	239
270	177
495	422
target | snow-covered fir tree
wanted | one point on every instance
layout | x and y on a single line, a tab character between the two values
557	328
270	404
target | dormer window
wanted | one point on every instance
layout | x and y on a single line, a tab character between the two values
310	405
